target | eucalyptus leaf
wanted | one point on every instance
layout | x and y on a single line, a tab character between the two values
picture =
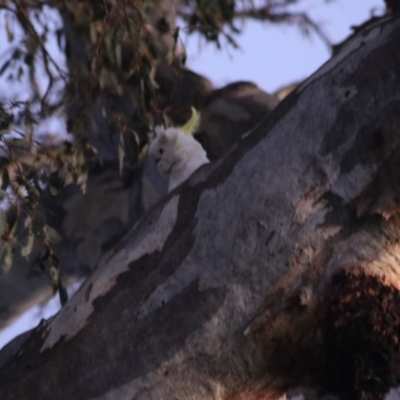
62	291
5	179
54	274
28	222
7	258
54	260
14	228
10	33
54	278
51	234
3	222
42	257
38	222
27	249
121	152
53	190
33	194
4	67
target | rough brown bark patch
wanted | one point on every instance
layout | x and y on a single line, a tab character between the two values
361	332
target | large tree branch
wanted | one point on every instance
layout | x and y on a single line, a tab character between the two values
274	268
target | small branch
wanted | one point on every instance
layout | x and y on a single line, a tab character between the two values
26	23
267	14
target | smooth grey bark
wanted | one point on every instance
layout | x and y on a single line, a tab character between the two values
272	269
93	223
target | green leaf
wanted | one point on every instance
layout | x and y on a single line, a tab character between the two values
60	34
5	121
54	278
5	179
28	131
68	179
51	234
4	67
62	291
41	258
10	33
121	152
38	223
3	222
132	148
7	258
37	186
20	73
12	215
14	229
54	274
28	59
28	170
54	260
28	221
54	191
113	129
33	194
27	249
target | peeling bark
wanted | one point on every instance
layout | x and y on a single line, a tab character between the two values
276	268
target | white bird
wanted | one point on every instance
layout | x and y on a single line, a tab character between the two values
176	152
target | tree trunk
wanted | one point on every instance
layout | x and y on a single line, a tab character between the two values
272	269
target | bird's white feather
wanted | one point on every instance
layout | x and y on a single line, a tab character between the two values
177	154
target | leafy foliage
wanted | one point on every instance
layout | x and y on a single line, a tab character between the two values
219	18
67	59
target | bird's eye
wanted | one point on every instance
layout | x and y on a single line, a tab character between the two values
161	151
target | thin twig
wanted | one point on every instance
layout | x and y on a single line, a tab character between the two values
268	14
25	22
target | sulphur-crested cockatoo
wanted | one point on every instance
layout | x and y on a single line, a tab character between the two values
176	152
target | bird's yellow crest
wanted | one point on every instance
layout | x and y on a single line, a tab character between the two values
191	126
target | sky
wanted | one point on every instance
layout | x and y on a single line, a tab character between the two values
270	56
34	315
274	56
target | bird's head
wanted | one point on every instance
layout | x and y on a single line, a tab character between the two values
162	148
169	144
